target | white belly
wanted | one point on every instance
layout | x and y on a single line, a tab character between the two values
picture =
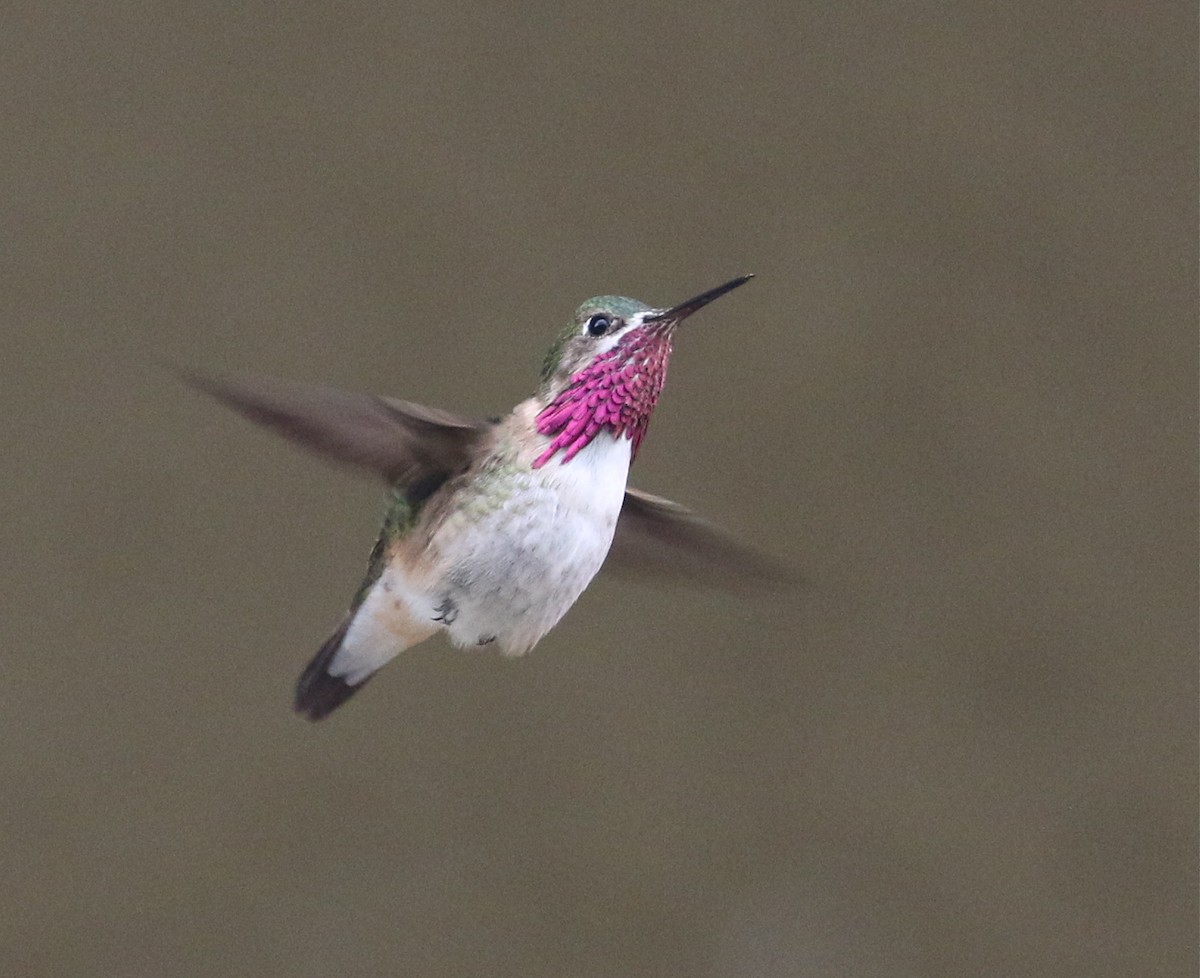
517	561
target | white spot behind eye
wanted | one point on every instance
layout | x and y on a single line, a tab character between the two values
612	337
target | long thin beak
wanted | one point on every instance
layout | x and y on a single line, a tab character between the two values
680	312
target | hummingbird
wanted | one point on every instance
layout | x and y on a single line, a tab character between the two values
493	529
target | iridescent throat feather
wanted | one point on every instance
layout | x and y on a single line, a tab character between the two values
617	390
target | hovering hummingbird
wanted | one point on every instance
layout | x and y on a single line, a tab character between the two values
493	529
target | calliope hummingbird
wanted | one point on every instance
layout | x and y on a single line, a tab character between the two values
494	528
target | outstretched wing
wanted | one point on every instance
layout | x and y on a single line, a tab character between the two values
658	537
407	444
414	446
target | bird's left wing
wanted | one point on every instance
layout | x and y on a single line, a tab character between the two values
658	537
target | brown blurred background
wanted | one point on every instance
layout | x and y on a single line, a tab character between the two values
960	398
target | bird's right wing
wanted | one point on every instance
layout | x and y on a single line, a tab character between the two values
407	444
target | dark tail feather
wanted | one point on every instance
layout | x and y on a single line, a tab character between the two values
317	693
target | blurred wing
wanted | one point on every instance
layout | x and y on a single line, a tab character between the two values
658	537
405	443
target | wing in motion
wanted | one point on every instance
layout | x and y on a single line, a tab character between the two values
413	446
405	443
659	537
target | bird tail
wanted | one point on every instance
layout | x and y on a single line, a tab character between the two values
373	633
318	692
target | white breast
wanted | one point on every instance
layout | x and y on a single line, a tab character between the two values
595	478
515	571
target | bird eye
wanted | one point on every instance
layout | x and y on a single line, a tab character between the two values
599	324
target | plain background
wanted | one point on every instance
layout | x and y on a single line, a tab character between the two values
959	397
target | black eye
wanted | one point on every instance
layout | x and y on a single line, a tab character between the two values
599	324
